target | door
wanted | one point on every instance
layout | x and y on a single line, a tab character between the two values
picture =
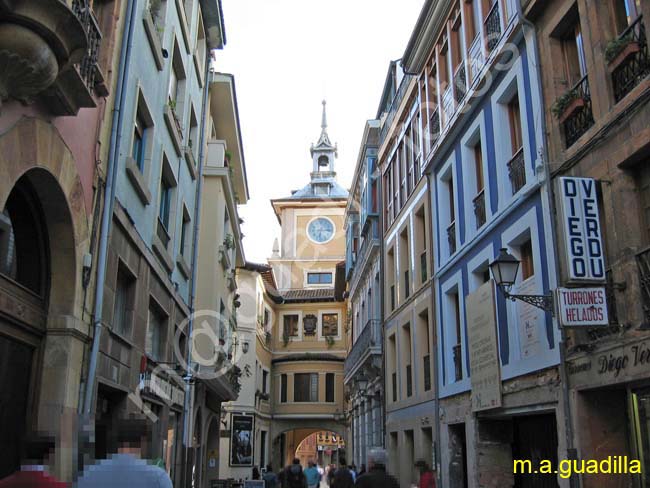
15	375
535	439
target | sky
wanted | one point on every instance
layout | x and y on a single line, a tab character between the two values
287	56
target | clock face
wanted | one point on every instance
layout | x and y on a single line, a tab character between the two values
320	230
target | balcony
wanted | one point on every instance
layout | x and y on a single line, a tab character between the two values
517	171
628	58
369	342
447	105
434	127
458	362
492	27
479	209
50	52
576	116
460	83
397	99
643	262
476	58
451	237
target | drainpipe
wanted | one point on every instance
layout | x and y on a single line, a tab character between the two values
434	351
109	199
189	380
564	378
380	224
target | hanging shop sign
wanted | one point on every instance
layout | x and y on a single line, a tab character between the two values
241	440
483	352
579	307
581	229
161	387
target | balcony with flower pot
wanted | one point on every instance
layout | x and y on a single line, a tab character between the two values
49	51
573	111
628	58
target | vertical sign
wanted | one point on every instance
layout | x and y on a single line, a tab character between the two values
241	440
483	351
581	228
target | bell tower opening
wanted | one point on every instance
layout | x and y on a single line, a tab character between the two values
323	163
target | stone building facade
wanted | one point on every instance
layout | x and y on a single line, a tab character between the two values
58	62
594	75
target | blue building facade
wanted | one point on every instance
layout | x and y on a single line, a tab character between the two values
484	156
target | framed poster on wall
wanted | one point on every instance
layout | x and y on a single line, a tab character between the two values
241	440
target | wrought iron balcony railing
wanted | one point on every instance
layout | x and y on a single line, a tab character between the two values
434	127
458	362
451	237
88	68
581	118
635	66
397	99
643	262
479	208
492	26
370	337
517	171
460	83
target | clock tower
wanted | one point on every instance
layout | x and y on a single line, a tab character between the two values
311	219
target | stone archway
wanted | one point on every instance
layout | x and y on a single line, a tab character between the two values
212	453
282	452
35	160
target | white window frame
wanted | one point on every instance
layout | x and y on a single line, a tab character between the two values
320	335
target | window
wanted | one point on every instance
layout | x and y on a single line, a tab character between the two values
527	267
479	199
405	347
290	324
139	142
319	278
451	228
176	91
330	324
265	379
266	317
124	301
625	12
305	387
457	348
329	387
185	232
514	118
154	342
473	17
391	365
575	66
201	47
193	141
283	388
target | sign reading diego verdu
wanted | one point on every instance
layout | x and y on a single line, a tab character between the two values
581	225
582	306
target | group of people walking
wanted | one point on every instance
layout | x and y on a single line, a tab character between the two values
343	476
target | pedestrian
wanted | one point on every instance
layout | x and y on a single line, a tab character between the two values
270	478
256	473
34	469
377	477
312	475
353	471
293	476
342	478
427	479
362	470
126	467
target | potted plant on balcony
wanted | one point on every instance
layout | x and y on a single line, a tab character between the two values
227	158
618	50
229	241
330	341
567	104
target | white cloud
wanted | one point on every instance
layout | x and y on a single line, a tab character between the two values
287	55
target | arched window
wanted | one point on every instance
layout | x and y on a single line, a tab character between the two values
22	250
323	163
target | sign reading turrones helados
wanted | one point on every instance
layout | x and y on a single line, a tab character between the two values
483	351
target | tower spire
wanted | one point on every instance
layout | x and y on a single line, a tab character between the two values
324	122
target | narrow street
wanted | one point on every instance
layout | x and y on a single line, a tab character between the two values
245	240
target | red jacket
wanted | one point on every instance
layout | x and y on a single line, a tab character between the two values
427	480
31	479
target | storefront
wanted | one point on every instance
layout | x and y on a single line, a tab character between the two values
610	391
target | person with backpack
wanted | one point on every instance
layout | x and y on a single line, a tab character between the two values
342	478
270	478
312	475
294	476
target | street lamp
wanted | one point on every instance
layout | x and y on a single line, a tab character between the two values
504	271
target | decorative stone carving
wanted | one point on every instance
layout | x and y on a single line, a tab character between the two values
27	63
309	324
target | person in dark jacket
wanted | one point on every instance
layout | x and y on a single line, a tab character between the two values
270	478
343	477
377	477
293	477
